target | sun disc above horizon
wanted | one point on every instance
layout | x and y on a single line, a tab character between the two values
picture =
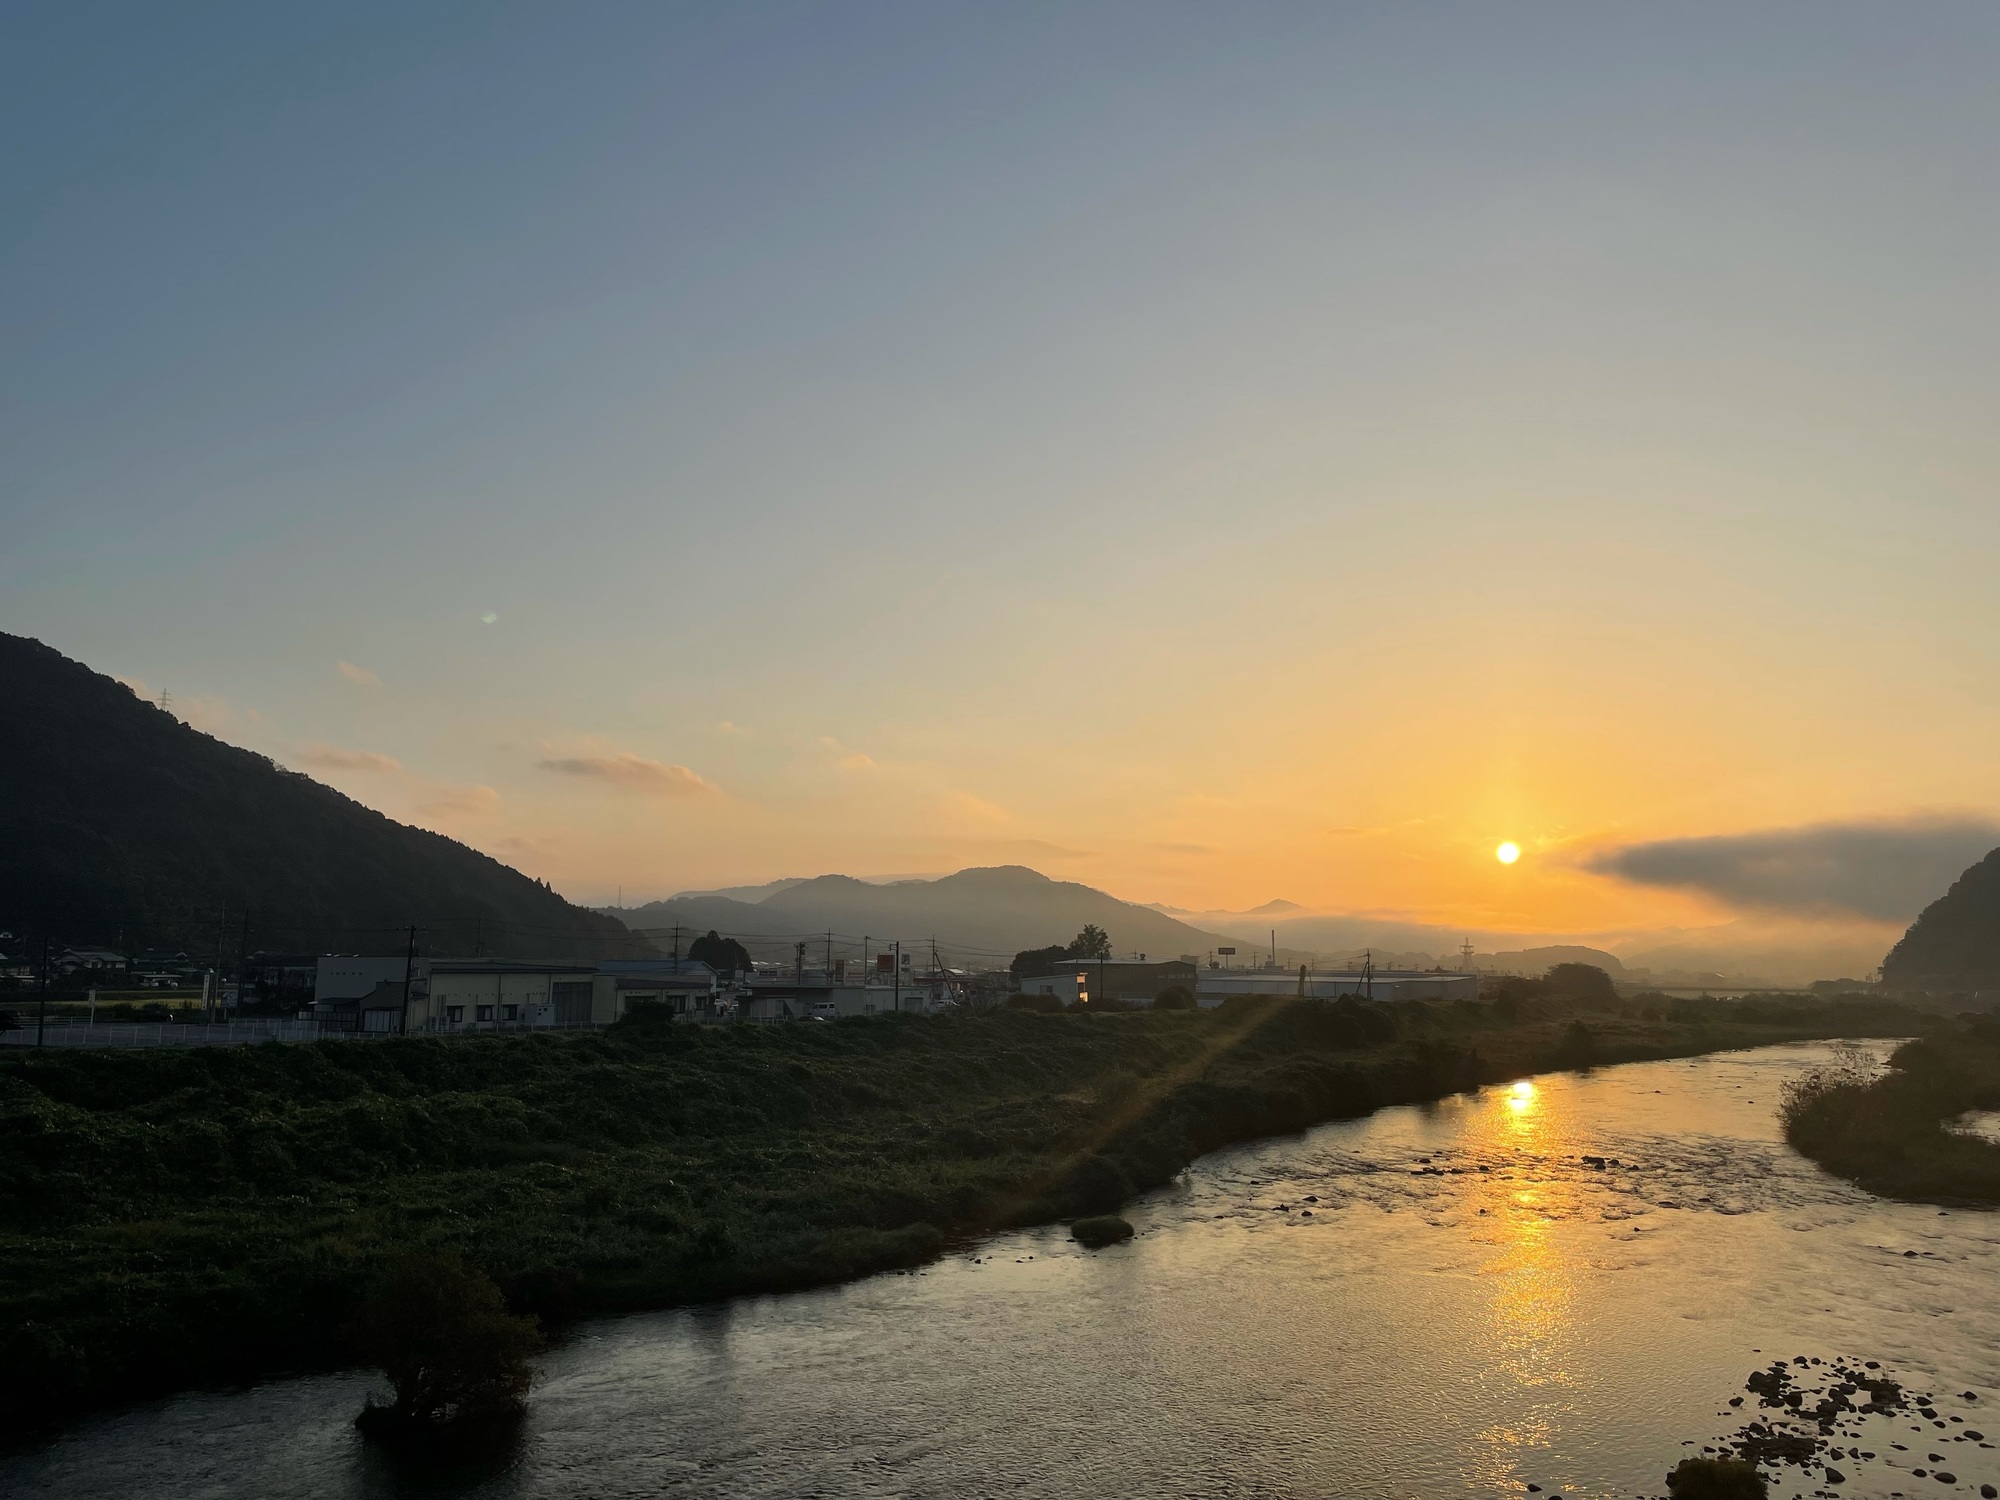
1508	852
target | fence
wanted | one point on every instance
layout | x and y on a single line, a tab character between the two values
233	1033
165	1033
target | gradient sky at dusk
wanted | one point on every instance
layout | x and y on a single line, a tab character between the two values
1214	452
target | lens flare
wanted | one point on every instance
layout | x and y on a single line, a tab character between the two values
1508	852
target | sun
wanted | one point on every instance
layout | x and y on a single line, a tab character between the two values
1508	852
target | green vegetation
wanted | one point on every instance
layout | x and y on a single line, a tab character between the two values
1890	1133
1100	1230
175	1216
1174	997
1091	943
442	1334
724	955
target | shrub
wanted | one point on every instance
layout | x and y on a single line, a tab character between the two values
1580	982
1716	1479
442	1334
1850	1068
1047	1005
1100	1230
1174	997
1579	1046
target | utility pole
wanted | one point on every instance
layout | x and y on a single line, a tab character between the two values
410	979
829	958
210	988
42	1021
243	961
897	971
677	945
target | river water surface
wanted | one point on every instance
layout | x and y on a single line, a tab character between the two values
1436	1302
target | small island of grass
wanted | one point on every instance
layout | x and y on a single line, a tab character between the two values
1891	1131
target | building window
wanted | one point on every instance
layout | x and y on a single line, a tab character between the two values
454	1014
485	1012
510	1012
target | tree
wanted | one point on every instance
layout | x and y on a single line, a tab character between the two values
1174	997
724	955
1580	982
442	1334
1093	942
1033	963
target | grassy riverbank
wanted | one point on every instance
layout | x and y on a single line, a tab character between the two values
1889	1133
173	1217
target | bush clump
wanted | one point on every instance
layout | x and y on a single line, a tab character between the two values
443	1335
1100	1230
1047	1005
1174	997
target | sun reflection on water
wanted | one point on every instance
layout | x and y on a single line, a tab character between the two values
1530	1275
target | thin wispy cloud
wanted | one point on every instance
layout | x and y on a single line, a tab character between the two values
460	802
359	676
1884	871
631	772
973	809
334	758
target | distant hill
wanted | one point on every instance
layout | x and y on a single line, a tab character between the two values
751	893
977	916
1955	942
1534	962
118	819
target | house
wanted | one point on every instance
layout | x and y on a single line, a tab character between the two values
91	961
1134	979
472	993
688	988
1071	986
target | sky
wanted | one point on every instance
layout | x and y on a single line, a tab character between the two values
1213	452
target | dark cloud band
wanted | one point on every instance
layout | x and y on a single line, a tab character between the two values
1883	871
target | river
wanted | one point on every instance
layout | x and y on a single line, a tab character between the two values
1436	1301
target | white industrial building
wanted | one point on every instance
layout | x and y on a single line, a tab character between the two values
1217	985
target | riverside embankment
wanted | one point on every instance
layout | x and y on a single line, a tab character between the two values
169	1219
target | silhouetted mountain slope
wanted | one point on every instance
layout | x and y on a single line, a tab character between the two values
1955	942
115	817
976	915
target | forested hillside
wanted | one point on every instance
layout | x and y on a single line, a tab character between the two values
1955	942
119	821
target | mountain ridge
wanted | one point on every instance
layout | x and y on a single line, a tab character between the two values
118	820
981	914
1954	944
